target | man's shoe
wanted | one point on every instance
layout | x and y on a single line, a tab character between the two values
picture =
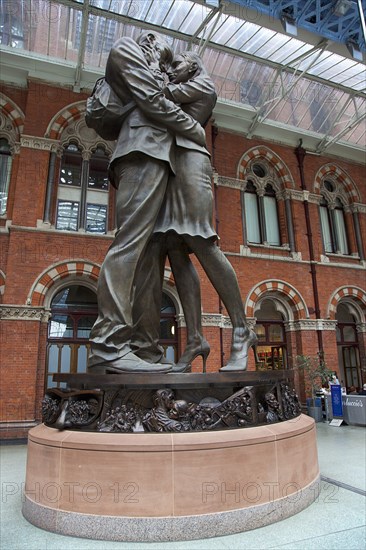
133	364
151	358
166	361
129	363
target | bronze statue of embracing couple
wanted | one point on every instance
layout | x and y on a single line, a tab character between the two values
162	172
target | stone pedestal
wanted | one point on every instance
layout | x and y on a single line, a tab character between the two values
169	486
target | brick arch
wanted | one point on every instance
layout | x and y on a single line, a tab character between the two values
75	270
348	184
280	288
63	118
13	113
353	292
262	152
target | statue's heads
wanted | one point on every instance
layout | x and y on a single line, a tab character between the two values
151	41
185	66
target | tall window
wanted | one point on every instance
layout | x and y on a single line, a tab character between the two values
83	191
270	330
332	221
260	208
5	167
73	313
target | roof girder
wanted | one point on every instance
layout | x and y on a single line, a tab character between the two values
261	114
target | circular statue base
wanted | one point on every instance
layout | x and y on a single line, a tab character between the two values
169	486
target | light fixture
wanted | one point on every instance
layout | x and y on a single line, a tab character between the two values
342	7
289	24
354	50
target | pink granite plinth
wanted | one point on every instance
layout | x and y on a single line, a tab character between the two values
156	487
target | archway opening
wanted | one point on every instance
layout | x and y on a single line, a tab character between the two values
348	348
73	313
74	310
270	329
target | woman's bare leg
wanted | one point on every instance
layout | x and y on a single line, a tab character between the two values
188	286
222	276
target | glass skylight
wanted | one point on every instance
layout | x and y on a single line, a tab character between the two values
243	58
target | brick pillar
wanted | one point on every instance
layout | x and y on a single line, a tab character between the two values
30	187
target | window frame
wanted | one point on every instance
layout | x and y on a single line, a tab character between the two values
73	342
83	194
262	214
7	172
332	225
273	344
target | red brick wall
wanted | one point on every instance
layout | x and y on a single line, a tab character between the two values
25	252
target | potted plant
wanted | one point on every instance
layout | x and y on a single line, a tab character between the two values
316	373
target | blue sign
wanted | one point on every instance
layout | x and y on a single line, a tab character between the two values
336	394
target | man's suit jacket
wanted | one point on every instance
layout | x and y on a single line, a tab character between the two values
150	127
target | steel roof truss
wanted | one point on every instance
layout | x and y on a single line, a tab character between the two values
83	38
261	115
351	122
204	25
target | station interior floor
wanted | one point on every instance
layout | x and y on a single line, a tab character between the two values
336	520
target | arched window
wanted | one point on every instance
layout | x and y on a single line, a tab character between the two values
348	347
260	207
271	334
5	169
168	329
73	313
333	225
83	191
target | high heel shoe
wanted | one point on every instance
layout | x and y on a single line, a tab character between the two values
190	353
242	342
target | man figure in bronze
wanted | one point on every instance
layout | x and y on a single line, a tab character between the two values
139	169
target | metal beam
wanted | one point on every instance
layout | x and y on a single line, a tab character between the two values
204	25
83	36
362	19
262	114
326	142
336	121
204	42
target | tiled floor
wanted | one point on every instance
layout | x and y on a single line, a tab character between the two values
335	521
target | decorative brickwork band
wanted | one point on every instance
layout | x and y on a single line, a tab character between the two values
262	152
9	312
357	294
291	295
69	124
44	144
75	270
63	118
334	172
12	113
